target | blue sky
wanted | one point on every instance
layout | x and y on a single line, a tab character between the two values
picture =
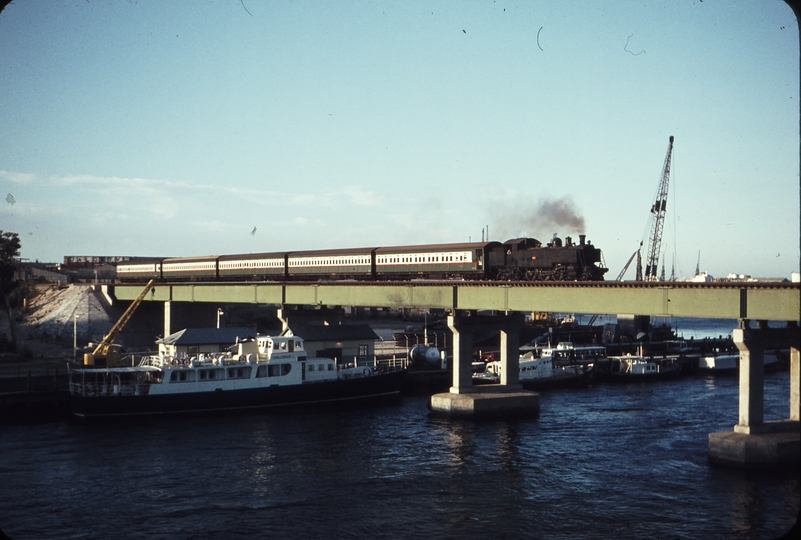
177	128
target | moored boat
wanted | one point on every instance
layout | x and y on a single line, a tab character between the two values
631	368
262	372
729	363
540	373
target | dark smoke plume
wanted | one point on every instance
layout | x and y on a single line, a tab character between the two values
541	220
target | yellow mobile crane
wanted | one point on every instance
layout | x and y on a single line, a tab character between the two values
107	353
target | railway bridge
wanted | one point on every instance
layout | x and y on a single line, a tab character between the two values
753	442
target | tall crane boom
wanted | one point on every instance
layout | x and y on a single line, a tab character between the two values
658	210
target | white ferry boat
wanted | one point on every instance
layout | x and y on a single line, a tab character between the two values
540	373
263	372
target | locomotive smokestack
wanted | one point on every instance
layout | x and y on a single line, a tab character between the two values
582	237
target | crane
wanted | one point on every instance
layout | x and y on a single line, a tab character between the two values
105	353
658	219
639	266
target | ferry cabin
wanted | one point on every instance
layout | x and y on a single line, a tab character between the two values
566	353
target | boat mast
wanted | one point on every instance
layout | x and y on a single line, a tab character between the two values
658	212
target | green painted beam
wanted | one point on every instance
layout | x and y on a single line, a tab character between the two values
779	302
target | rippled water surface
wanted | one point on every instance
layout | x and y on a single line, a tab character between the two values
625	461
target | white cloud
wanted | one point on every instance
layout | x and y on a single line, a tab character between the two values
18	178
362	197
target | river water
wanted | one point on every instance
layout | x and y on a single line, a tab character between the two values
610	461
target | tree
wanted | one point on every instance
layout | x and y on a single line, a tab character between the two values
9	249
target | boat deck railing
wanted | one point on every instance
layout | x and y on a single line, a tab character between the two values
172	362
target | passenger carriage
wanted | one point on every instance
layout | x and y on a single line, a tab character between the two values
466	260
354	263
191	268
139	270
254	266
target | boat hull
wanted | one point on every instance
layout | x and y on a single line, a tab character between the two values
579	380
377	385
613	376
730	364
614	370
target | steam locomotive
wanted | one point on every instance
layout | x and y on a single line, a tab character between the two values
520	259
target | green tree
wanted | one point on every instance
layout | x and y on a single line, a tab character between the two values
9	249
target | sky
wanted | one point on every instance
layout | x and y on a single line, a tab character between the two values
173	128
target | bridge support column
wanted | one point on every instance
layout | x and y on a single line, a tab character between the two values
485	401
755	443
167	318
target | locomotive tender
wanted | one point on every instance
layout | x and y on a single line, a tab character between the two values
520	259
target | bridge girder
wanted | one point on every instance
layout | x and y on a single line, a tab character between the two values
777	302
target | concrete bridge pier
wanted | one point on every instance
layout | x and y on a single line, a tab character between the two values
755	443
485	401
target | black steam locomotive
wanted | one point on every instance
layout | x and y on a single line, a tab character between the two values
521	259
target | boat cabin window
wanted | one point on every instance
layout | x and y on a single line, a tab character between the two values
179	376
239	373
209	374
274	370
